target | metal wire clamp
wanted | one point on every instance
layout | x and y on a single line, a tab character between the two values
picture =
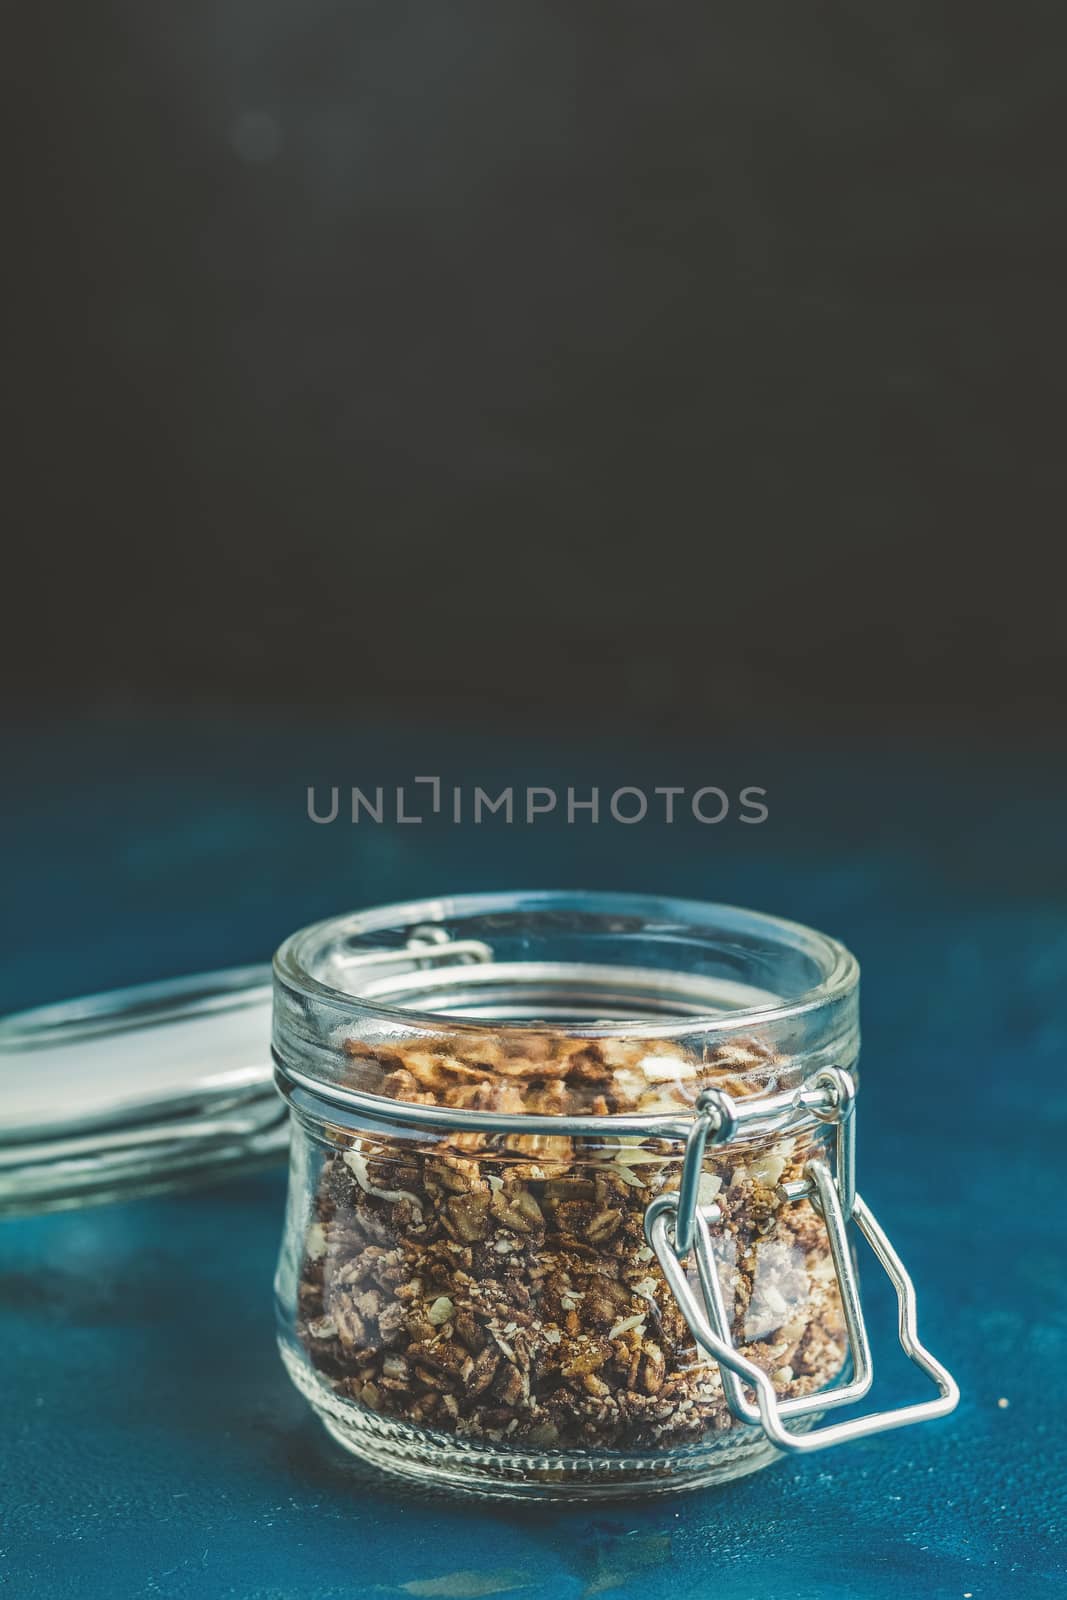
675	1223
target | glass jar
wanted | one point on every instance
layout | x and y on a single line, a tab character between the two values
570	1181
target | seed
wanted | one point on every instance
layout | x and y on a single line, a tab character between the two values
604	1225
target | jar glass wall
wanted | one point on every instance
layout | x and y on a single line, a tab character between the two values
474	1302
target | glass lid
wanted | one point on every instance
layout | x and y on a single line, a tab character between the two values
137	1090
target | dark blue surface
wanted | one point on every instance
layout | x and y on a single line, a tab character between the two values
151	1442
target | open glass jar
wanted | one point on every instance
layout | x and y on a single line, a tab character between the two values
570	1181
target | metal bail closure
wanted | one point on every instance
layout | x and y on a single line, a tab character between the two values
675	1223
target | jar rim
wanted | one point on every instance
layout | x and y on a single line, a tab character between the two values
839	967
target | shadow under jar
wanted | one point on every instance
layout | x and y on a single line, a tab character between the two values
570	1178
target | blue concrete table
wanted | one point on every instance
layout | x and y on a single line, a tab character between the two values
150	1443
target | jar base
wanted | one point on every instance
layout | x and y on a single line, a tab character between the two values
443	1463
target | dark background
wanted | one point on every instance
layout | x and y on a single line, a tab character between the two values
682	365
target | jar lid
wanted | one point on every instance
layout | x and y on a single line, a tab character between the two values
137	1090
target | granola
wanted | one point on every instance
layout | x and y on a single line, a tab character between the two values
501	1288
